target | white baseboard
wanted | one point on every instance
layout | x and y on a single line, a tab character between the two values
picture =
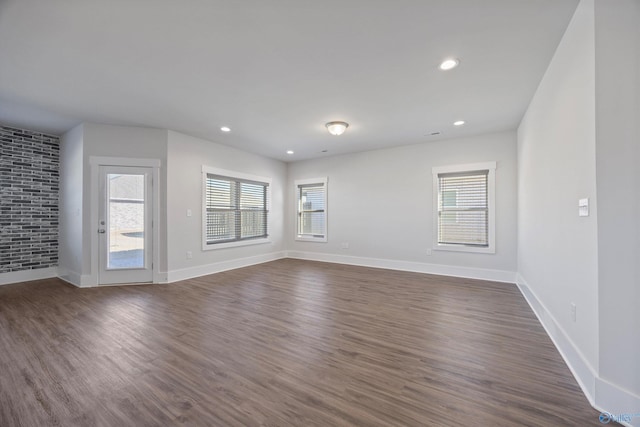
582	370
203	270
28	275
601	394
160	277
75	278
417	267
623	405
89	281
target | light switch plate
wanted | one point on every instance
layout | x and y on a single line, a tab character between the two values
583	207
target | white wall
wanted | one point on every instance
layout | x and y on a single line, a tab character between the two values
557	250
617	169
186	156
130	142
580	138
70	255
78	262
381	203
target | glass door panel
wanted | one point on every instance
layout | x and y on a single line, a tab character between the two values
126	220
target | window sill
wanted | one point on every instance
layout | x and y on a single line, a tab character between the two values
206	247
462	248
311	239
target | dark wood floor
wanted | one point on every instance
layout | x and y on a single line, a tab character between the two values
283	343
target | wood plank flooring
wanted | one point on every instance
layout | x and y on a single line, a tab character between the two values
287	343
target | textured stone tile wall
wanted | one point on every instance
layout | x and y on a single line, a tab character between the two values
29	191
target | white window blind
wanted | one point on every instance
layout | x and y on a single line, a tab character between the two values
312	209
463	208
236	209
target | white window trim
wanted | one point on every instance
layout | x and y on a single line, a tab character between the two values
491	185
237	175
324	181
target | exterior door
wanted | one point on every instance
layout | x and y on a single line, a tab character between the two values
125	225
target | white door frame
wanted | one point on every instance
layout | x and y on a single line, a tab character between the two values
118	275
95	162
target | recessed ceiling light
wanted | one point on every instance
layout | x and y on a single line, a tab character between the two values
289	151
458	123
434	133
449	64
225	129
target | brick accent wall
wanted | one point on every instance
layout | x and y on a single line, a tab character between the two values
29	191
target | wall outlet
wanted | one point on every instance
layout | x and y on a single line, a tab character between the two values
428	252
189	254
344	245
189	213
573	312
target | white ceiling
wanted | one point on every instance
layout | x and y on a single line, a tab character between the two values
276	71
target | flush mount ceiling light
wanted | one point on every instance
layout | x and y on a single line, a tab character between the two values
225	129
337	128
458	123
289	152
449	64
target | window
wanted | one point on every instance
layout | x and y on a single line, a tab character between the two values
464	218
235	208
311	195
